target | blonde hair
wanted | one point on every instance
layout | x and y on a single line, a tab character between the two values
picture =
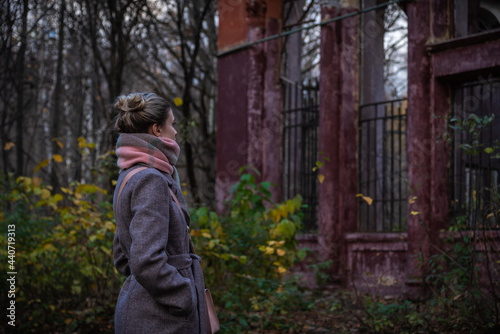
136	112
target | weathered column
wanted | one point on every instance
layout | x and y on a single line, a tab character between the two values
440	108
373	90
419	140
348	169
338	134
329	238
256	12
271	133
249	94
232	71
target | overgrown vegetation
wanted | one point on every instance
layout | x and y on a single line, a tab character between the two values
65	278
248	252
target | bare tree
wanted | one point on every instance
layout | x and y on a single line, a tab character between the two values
64	62
180	63
58	93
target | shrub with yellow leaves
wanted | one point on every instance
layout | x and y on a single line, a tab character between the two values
247	250
66	281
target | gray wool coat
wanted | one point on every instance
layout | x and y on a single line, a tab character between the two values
164	289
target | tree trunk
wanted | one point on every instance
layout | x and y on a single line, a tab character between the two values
20	92
56	118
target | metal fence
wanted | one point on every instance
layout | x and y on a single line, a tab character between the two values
474	171
300	146
382	167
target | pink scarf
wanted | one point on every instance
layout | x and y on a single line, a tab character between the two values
157	152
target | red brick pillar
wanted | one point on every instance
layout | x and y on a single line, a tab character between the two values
420	142
440	108
271	132
329	237
249	94
256	12
338	135
232	116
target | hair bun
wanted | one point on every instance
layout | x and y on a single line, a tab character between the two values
130	103
137	112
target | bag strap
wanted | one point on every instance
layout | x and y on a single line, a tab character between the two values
191	246
127	177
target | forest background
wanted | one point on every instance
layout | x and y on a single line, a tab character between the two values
63	63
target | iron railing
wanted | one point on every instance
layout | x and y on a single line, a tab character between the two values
382	167
474	168
300	146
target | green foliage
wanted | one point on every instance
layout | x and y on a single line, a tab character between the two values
63	241
247	252
473	125
65	276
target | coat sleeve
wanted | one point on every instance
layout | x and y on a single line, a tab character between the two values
120	259
149	230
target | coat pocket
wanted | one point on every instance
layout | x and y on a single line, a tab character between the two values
183	263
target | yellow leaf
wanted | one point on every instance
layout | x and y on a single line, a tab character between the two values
49	247
37	181
490	215
41	164
113	182
57	158
269	250
67	321
280	252
321	178
178	101
57	198
9	145
206	235
88	188
368	200
58	142
81	142
283	210
414	213
281	270
275	215
45	194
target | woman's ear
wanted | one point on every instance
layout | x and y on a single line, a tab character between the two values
155	130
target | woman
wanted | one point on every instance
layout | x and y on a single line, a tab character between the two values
164	289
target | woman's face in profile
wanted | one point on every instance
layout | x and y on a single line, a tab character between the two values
168	129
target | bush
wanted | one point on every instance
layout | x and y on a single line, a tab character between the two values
66	281
248	252
65	276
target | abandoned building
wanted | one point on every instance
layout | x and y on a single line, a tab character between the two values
393	171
